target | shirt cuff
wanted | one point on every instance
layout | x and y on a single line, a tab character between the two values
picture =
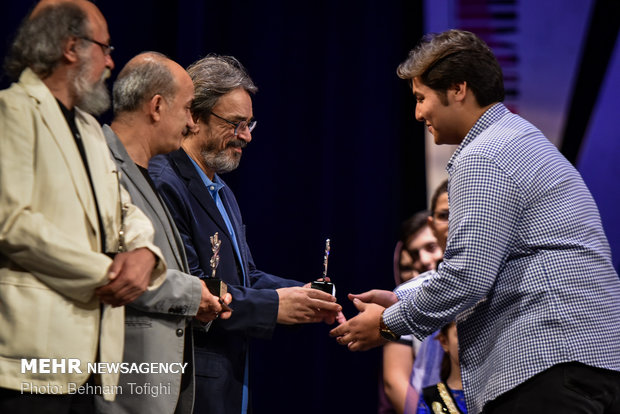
394	318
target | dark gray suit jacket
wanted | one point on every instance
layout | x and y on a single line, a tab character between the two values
155	324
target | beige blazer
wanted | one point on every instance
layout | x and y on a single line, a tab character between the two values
50	260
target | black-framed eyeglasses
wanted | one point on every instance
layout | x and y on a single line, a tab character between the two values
106	49
239	126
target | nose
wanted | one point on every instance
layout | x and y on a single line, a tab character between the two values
245	135
426	259
418	113
109	62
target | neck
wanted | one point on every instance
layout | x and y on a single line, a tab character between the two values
191	147
476	113
454	380
136	140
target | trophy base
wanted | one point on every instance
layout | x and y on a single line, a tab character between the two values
327	287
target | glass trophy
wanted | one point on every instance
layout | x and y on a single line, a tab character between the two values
216	286
322	283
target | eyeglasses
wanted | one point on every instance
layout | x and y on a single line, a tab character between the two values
106	49
239	126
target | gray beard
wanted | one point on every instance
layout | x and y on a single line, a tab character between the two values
220	162
92	98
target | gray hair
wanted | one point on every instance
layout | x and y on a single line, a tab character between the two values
140	80
213	77
40	39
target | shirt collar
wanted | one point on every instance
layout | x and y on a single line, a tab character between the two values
492	115
214	185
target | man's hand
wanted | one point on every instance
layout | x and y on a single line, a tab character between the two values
385	298
361	332
129	275
304	305
321	279
210	307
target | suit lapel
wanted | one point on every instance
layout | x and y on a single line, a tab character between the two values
197	188
180	251
235	219
59	130
133	174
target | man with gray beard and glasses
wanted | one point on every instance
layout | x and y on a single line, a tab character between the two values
201	205
73	249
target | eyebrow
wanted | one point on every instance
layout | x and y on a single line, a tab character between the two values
239	118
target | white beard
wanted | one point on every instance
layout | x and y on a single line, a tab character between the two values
92	98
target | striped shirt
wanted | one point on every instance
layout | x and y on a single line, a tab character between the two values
527	272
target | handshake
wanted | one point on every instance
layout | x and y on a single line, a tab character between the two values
362	332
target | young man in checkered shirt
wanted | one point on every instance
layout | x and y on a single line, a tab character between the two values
527	271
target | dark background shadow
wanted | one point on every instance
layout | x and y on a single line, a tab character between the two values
336	154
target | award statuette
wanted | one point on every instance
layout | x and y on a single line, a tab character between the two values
322	283
216	286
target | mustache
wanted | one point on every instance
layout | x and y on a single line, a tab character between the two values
106	74
237	143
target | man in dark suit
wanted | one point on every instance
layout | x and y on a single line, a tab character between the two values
202	204
152	96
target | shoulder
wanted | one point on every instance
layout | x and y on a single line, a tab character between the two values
14	96
506	148
162	170
17	101
507	132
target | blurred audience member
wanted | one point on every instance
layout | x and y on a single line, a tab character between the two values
447	395
416	252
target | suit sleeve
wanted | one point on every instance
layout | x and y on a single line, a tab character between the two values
255	310
262	280
139	233
179	294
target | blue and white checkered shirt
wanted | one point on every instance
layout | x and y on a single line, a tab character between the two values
527	271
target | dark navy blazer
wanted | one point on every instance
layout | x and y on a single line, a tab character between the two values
221	352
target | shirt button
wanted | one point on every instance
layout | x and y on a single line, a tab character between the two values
179	332
212	188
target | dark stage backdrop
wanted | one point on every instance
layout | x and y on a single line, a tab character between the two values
336	153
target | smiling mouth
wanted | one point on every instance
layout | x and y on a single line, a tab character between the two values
237	145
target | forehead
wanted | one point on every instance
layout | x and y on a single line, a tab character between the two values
420	88
237	101
420	238
442	201
98	24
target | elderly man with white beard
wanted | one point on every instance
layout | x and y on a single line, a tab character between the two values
73	249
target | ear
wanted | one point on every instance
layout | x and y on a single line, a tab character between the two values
459	90
443	341
431	224
197	123
69	50
155	107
